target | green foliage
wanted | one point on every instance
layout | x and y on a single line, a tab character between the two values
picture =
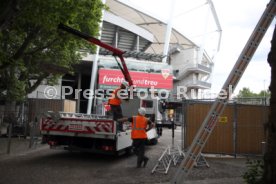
264	93
247	93
31	46
254	173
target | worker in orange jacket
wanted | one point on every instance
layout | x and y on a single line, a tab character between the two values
115	103
140	125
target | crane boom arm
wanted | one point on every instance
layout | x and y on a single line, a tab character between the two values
91	39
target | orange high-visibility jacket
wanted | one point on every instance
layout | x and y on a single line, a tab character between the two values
114	100
139	125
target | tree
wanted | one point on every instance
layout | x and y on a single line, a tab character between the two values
245	92
8	10
264	93
31	47
269	157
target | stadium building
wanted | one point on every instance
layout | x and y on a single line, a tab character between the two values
142	37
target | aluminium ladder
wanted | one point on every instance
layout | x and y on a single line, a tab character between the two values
217	108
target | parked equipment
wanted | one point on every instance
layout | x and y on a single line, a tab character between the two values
82	132
90	133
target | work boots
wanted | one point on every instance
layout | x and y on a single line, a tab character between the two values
143	163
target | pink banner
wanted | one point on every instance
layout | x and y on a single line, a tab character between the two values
140	79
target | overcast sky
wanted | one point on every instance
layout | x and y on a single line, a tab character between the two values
237	19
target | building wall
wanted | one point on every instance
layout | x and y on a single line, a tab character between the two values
45	91
38	107
183	58
189	71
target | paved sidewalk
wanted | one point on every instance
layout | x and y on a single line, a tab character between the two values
19	146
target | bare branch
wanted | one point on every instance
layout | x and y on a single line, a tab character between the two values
25	44
41	48
38	82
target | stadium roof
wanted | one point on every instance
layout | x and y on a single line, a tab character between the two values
154	26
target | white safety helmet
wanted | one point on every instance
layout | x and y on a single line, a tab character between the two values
142	111
125	83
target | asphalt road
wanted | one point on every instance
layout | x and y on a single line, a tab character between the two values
46	166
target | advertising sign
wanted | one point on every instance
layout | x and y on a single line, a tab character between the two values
141	79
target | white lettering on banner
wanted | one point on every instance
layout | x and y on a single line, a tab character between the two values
145	82
139	82
113	79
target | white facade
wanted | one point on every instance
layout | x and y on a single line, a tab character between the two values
190	72
44	91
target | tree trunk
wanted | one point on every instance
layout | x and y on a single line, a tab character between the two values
10	110
270	154
10	118
10	113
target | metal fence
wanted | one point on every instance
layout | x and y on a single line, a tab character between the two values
24	116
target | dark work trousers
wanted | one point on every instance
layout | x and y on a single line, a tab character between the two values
117	114
159	129
139	150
